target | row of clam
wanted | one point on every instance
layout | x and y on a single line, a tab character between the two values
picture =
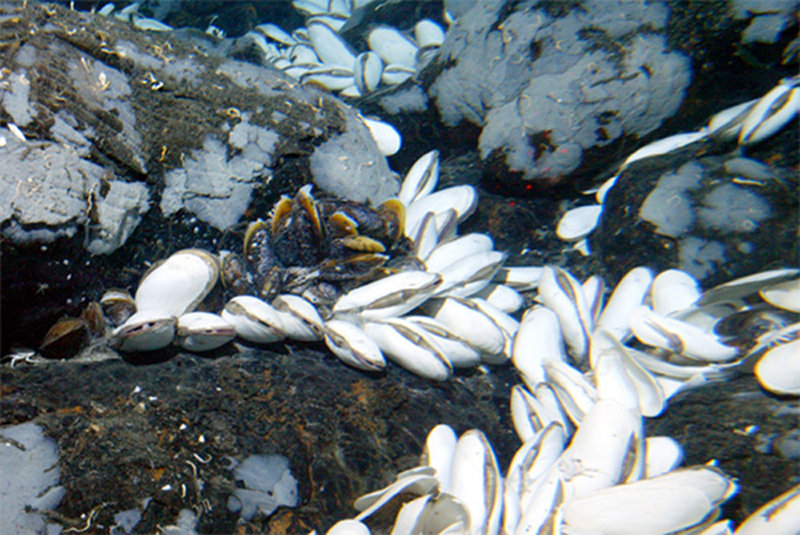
451	307
606	479
748	123
316	54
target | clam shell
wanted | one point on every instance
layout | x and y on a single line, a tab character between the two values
176	285
65	338
203	331
779	369
351	344
147	330
579	222
664	504
254	320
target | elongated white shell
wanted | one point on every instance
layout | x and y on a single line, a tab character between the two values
458	352
470	274
681	337
785	295
404	343
351	344
662	454
421	179
146	330
367	71
538	340
386	137
254	320
559	291
417	482
438	453
780	516
348	527
779	369
628	295
501	296
428	33
595	459
578	222
392	46
467	322
329	46
390	296
179	283
204	331
476	481
674	290
663	504
462	199
770	113
454	251
299	318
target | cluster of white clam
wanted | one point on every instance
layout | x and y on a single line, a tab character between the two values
454	313
749	123
316	54
584	464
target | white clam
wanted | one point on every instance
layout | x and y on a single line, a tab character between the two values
421	179
330	78
454	251
428	33
329	46
501	296
392	46
559	291
440	445
390	296
596	457
462	199
476	481
469	323
351	344
771	113
578	222
671	502
520	278
628	295
673	291
367	71
145	330
470	274
662	455
575	394
254	320
348	527
177	284
299	318
683	338
396	74
785	295
408	344
203	331
779	369
459	353
386	137
418	481
780	516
